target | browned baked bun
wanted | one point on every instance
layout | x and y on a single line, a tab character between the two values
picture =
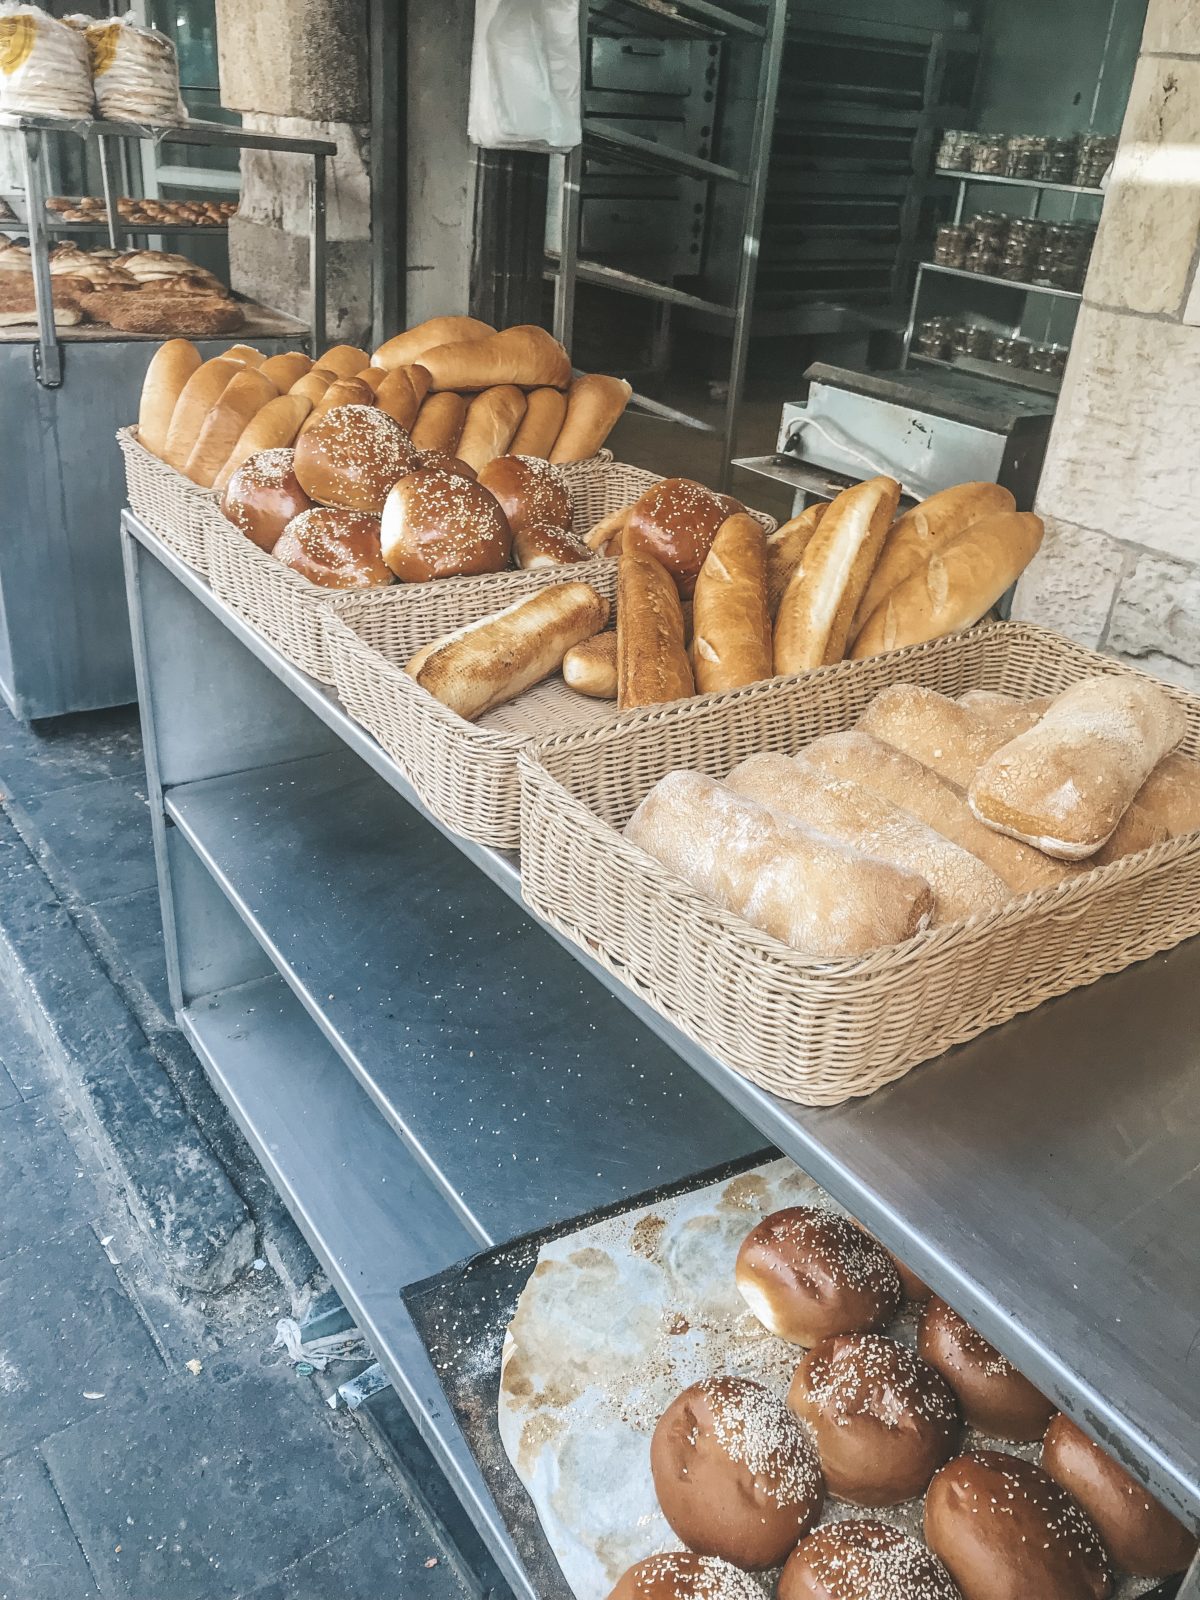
539	544
1140	1535
883	1420
807	1273
263	496
352	457
1006	1531
443	461
676	522
863	1560
734	1474
440	526
529	490
682	1575
911	1287
334	548
996	1398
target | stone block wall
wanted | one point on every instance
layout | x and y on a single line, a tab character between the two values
1120	569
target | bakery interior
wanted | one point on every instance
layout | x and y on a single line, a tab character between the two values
684	513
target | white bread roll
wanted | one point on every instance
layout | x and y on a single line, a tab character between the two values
313	384
595	402
243	397
963	886
273	428
525	355
823	898
959	583
818	605
652	660
497	658
541	424
405	348
731	632
169	370
591	667
785	551
286	369
1065	784
440	422
197	398
492	419
345	360
401	392
914	537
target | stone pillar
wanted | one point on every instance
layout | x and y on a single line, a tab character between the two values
1120	569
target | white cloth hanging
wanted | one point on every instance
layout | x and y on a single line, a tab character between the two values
525	75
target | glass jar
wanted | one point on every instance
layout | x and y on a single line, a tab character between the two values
934	337
954	151
990	156
1009	351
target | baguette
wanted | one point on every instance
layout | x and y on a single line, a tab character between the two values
197	398
822	897
401	392
1065	783
345	360
914	537
960	582
526	356
492	419
963	886
591	667
785	550
540	426
243	397
439	423
497	658
272	428
286	369
731	632
594	405
652	659
405	348
820	600
173	364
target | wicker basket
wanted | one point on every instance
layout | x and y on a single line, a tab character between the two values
815	1032
172	506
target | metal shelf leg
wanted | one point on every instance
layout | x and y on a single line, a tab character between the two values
316	261
47	352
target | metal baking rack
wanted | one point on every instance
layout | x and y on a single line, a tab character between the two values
33	131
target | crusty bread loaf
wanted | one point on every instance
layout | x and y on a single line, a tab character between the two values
594	404
652	660
197	398
942	805
345	360
600	535
405	348
492	419
785	549
541	424
272	428
591	667
952	738
818	605
914	537
731	632
1065	783
525	355
497	658
286	369
963	886
439	423
243	397
169	370
1170	796
962	580
821	897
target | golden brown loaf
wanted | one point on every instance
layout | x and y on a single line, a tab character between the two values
529	490
591	667
860	1559
444	462
333	548
247	355
313	384
731	632
405	348
544	413
541	544
492	419
652	659
526	356
374	378
262	496
274	427
497	658
169	370
996	1398
594	404
345	360
813	622
962	579
200	316
439	423
286	369
676	521
437	525
1065	783
197	398
807	1273
824	899
401	392
914	537
341	392
785	550
243	397
962	885
351	458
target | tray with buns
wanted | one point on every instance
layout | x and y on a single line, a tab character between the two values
786	916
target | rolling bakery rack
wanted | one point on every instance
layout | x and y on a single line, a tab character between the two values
466	1077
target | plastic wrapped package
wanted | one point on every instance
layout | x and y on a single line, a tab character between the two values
525	75
135	72
44	66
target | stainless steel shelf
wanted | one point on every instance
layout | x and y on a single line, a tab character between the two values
649	153
1003	283
195	131
1016	183
669	17
643	288
22	228
1042	382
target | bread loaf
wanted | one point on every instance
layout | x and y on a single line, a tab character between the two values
540	426
591	667
962	580
272	428
243	397
731	632
263	495
601	533
818	605
529	491
439	423
526	356
541	544
352	456
169	370
594	404
676	521
1065	784
246	354
963	886
197	398
823	898
439	525
492	419
341	392
952	738
313	384
405	348
373	377
652	660
334	549
914	537
401	392
1170	796
785	550
286	369
345	360
497	658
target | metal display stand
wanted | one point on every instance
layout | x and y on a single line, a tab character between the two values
422	1066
